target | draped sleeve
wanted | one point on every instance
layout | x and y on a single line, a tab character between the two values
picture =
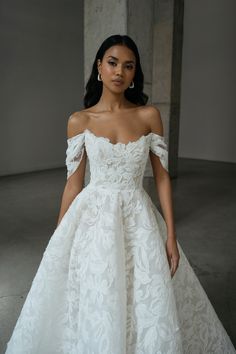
74	153
159	147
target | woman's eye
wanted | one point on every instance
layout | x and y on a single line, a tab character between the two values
130	67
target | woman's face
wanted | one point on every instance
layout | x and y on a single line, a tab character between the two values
118	63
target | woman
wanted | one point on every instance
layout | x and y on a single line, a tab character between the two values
113	278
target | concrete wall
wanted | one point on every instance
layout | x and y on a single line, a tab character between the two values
208	110
42	79
162	59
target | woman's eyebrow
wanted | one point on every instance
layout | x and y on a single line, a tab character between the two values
127	61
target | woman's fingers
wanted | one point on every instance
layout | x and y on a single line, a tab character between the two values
174	265
172	255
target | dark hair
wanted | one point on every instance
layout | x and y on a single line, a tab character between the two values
94	87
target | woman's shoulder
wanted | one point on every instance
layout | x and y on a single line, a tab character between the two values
77	123
150	110
151	115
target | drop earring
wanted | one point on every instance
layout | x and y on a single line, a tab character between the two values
132	85
99	77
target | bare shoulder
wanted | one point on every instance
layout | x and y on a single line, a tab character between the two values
77	123
152	116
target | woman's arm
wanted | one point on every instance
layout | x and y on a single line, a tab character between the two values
75	183
164	191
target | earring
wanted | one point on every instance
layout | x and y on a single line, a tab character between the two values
132	85
99	77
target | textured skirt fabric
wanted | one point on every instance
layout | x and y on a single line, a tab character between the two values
104	287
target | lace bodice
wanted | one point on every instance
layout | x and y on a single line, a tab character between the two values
116	165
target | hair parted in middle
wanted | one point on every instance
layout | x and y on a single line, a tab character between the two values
94	87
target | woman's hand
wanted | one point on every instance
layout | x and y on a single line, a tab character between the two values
172	254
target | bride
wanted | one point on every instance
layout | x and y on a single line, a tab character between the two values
113	278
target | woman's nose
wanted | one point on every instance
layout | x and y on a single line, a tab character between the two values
119	69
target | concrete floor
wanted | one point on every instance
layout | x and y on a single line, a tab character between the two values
204	207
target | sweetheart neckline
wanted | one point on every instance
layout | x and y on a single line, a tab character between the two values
108	140
118	142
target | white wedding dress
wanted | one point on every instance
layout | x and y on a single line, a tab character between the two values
103	285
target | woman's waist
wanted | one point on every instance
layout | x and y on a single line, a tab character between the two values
115	186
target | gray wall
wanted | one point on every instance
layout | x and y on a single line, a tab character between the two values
41	82
208	110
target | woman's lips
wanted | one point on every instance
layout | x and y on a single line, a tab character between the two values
117	82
